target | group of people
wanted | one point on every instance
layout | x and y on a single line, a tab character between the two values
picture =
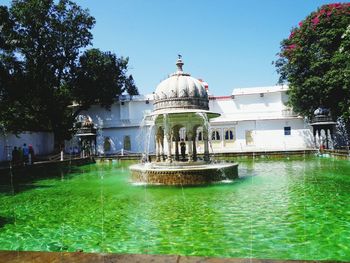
23	155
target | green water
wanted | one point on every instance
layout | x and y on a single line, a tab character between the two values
281	209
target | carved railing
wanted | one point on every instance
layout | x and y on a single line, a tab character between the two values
86	130
322	118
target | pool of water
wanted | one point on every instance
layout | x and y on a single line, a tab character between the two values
280	209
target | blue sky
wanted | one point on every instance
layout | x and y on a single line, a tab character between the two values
228	43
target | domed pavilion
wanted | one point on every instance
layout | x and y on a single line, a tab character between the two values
181	104
181	101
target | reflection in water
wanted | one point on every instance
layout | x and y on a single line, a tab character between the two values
286	209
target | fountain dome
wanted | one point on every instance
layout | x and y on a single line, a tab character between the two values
181	122
180	90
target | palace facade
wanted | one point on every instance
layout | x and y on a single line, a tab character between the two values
252	119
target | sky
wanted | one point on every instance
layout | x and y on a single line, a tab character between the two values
227	43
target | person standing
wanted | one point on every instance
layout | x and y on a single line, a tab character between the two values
20	156
25	153
31	154
15	156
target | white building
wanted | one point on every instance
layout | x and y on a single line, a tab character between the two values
257	119
252	119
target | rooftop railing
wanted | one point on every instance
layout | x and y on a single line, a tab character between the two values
288	113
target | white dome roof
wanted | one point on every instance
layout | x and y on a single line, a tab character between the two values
180	86
181	90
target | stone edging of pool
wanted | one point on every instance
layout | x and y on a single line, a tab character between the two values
58	257
256	153
50	164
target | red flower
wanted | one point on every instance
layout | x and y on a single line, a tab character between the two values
315	20
301	23
291	47
335	5
322	12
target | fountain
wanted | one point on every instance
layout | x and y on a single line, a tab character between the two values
181	103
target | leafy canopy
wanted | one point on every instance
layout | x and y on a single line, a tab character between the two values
42	70
315	61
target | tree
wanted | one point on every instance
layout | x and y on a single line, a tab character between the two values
42	72
99	78
130	86
315	62
45	39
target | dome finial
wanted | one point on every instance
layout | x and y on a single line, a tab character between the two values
179	63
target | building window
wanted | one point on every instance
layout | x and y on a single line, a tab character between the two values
127	143
287	130
229	135
215	135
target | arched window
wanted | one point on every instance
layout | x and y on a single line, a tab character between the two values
229	135
107	144
215	135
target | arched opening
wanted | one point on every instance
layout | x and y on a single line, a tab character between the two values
179	142
107	144
229	135
215	135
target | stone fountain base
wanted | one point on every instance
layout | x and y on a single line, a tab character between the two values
182	173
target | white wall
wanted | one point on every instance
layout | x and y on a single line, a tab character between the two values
43	143
268	135
121	114
250	106
139	139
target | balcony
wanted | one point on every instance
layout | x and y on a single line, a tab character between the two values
86	131
322	118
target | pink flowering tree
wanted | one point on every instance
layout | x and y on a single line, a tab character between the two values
315	61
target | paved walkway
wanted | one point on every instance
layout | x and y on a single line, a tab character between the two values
79	257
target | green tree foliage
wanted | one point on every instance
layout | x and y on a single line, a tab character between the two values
315	61
41	71
99	78
130	86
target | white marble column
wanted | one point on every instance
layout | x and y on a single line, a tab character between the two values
176	134
189	134
158	148
159	144
169	142
194	154
206	145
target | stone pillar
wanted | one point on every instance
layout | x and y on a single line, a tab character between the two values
176	134
206	145
319	138
157	149
315	140
159	144
189	134
194	146
169	141
331	144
